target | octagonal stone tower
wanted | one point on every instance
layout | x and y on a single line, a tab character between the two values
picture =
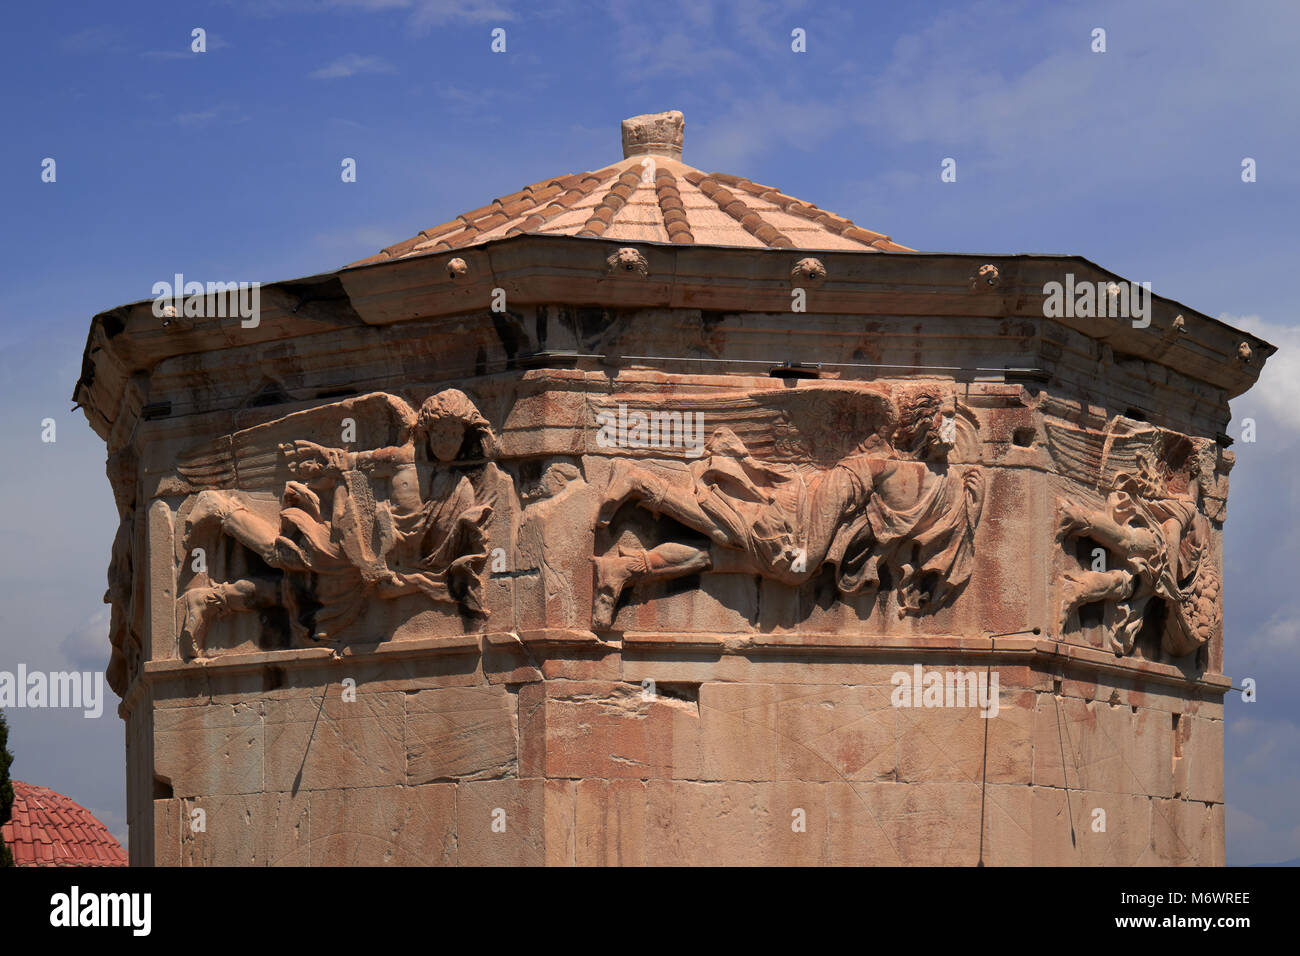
650	516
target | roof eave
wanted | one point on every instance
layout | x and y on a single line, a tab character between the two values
544	269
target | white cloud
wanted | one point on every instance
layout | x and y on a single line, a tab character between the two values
368	238
184	50
1278	390
1277	640
424	13
94	40
351	64
1263	754
759	123
87	648
437	12
218	114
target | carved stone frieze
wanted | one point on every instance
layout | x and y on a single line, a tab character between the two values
856	479
1149	555
399	518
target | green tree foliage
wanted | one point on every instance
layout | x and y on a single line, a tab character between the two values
6	790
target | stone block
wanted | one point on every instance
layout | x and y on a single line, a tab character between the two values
257	829
210	750
797	732
610	822
166	835
383	826
957	744
328	743
460	732
1198	766
735	824
1067	827
607	730
515	822
1183	834
1108	747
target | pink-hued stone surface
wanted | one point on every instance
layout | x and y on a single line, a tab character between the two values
397	584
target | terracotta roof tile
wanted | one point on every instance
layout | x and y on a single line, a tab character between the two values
750	221
671	207
862	235
480	212
614	200
491	222
542	193
400	249
514	209
728	179
519	194
836	223
681	203
48	829
435	231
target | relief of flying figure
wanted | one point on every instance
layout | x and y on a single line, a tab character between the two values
405	516
792	481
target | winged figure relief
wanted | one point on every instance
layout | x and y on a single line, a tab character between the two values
864	479
1152	526
351	524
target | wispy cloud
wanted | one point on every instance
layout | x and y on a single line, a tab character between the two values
351	64
217	114
370	239
184	50
1278	390
87	647
423	13
463	100
1262	779
432	13
94	40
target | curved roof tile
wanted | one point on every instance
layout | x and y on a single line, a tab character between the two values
49	829
650	196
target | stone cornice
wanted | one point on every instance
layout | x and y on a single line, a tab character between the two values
1041	653
125	344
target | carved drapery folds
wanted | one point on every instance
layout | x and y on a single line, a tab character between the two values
316	515
123	580
866	489
853	478
404	515
1143	518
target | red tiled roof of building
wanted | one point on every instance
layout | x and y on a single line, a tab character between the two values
651	196
49	829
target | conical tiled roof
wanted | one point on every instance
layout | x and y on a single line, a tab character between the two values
651	196
49	829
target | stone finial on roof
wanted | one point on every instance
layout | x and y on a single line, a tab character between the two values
654	134
637	201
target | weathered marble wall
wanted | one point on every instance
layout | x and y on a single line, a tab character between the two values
462	626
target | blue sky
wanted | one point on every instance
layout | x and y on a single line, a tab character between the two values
226	164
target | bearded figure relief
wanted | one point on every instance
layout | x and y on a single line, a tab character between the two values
397	519
797	480
1156	537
